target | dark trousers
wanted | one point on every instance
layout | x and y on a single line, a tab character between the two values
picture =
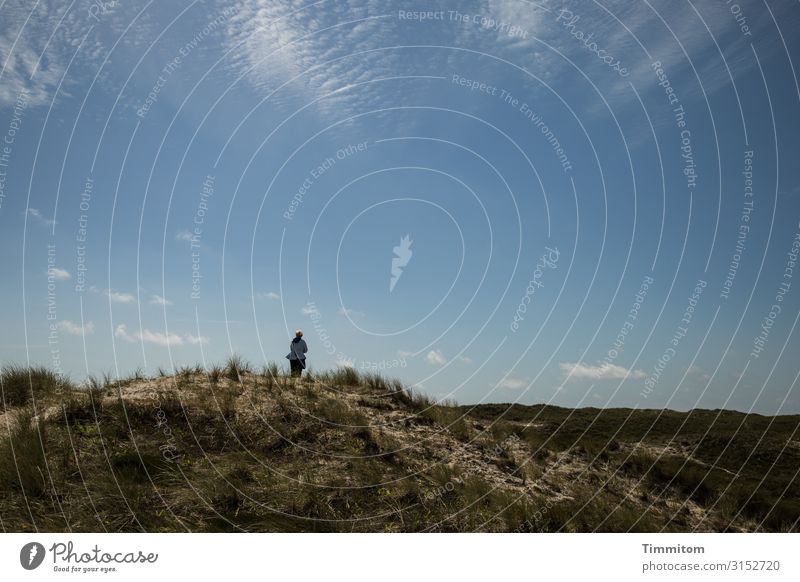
297	367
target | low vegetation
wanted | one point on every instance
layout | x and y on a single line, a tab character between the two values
234	448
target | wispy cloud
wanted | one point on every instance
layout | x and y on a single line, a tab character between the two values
697	372
39	39
604	371
270	296
75	329
58	274
327	52
158	338
114	296
159	300
24	72
184	236
119	297
333	53
436	358
514	383
348	312
162	339
38	217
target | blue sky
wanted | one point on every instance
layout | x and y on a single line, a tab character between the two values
600	199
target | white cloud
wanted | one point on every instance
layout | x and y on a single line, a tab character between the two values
404	353
36	215
347	312
122	333
271	296
76	329
158	300
464	359
335	55
158	338
604	371
435	357
114	296
698	372
513	383
25	71
276	41
58	274
118	297
39	39
184	236
345	363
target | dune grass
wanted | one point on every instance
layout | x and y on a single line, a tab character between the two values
229	449
22	384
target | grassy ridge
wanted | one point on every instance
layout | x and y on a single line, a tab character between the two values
232	448
746	465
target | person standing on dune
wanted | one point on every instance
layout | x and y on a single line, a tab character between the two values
297	354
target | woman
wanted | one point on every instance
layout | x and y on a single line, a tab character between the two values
297	354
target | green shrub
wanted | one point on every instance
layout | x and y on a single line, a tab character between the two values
345	376
214	374
236	367
21	384
376	382
23	465
337	413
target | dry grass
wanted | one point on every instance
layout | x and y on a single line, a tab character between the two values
344	451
